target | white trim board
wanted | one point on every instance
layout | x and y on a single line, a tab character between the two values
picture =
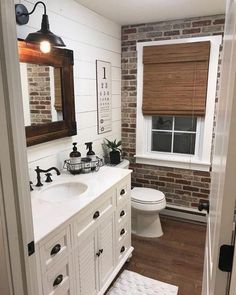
203	160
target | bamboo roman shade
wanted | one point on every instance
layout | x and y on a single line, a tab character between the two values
175	79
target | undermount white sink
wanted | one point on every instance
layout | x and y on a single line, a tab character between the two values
61	192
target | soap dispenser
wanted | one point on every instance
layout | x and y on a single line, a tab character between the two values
75	156
90	153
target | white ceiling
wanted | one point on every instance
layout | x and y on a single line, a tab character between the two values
126	12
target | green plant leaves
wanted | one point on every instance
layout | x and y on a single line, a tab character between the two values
113	145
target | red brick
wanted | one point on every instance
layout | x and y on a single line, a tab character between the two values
130	31
141	180
181	192
191	31
201	173
124	37
40	107
190	188
158	183
202	23
183	181
199	195
167	179
219	22
172	33
174	175
205	179
205	191
128	77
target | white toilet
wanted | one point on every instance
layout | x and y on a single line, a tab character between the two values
146	204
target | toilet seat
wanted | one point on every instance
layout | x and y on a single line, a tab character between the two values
143	195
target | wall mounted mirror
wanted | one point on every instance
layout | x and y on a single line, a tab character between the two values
47	92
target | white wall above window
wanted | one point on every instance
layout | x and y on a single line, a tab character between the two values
201	159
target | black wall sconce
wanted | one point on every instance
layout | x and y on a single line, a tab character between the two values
44	37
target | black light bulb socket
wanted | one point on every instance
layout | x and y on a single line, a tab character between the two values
44	34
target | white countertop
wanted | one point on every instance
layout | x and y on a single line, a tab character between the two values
47	216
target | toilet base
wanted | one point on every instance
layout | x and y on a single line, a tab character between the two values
145	224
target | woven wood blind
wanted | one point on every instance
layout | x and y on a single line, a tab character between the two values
175	79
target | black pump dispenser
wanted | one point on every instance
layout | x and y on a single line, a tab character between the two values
75	156
75	153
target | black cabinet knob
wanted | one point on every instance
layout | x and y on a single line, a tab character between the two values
122	232
96	215
122	213
98	253
122	192
122	249
58	280
204	205
101	251
55	249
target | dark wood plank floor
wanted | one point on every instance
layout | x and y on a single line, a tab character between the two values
176	258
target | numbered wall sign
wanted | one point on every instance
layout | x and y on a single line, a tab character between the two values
104	95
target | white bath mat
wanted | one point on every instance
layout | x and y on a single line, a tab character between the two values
131	283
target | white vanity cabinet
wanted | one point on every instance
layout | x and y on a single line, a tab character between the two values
83	256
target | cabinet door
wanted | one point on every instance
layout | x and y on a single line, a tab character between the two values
87	264
106	240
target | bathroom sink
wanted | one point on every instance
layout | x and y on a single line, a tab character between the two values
61	192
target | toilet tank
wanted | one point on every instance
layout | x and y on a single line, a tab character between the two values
124	164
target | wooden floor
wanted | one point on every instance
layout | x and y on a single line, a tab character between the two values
176	258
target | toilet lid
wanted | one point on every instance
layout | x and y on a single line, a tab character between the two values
146	195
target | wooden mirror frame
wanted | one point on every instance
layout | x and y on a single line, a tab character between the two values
60	58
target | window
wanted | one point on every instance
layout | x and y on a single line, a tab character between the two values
174	135
176	131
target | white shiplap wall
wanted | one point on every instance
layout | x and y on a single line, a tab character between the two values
91	37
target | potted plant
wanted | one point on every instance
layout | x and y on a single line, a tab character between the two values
115	150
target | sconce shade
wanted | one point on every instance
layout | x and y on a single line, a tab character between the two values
44	34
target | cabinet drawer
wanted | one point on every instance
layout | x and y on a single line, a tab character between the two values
122	247
58	281
123	230
123	192
123	213
93	215
54	248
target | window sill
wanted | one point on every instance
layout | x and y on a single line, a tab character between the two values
173	162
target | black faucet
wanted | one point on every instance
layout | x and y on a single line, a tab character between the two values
38	171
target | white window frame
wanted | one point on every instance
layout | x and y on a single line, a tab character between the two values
202	158
198	132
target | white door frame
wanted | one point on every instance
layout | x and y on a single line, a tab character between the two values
223	187
16	225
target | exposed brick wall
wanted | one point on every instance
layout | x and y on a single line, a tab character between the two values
39	93
182	187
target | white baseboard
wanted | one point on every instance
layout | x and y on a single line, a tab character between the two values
184	213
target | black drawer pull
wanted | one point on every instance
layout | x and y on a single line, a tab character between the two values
122	232
122	249
96	215
122	213
58	280
98	253
122	192
55	249
101	251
